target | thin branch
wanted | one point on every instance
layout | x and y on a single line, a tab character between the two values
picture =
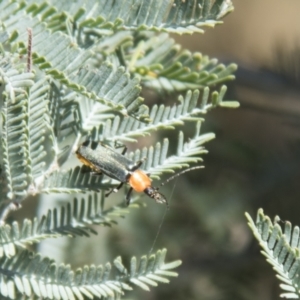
29	50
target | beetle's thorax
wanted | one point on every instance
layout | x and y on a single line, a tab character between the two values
139	180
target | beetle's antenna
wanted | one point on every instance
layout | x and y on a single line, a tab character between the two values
167	208
180	173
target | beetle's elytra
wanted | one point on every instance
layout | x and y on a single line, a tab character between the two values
102	159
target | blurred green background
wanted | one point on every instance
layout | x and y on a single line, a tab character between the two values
252	163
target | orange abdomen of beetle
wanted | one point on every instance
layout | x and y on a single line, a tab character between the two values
139	181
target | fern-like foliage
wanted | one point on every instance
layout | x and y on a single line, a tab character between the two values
15	128
110	87
70	97
73	219
164	66
191	108
105	18
26	131
77	76
35	276
281	248
189	152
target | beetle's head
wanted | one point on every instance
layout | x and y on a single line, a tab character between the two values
154	194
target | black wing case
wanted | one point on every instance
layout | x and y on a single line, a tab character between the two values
104	159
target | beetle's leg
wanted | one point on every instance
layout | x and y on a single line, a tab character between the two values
124	150
85	169
86	143
96	173
128	196
114	189
138	164
119	145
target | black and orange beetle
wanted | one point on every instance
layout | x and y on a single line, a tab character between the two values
100	158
